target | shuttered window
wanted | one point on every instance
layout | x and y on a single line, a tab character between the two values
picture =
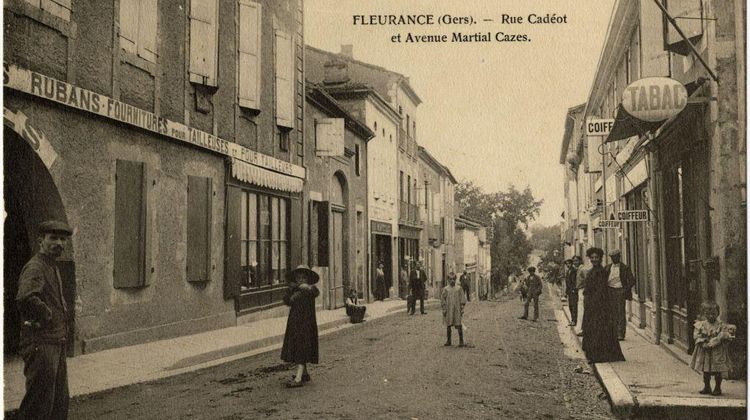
59	8
199	207
284	80
248	94
131	262
204	40
138	21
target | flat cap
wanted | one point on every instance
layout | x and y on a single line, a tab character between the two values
615	252
55	226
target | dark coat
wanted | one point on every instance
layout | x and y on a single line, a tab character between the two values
627	279
599	336
570	281
533	285
416	285
41	303
301	336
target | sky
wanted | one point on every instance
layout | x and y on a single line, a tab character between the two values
494	113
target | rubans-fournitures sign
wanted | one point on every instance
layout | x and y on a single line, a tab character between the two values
654	98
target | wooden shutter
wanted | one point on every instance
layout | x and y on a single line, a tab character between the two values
284	80
329	137
147	29
233	243
324	210
249	55
203	41
129	24
130	257
199	207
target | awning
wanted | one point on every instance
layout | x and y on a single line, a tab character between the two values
264	178
627	126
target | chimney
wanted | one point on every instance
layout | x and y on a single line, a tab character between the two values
348	50
336	71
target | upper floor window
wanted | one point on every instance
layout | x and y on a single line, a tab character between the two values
248	84
59	8
138	22
204	40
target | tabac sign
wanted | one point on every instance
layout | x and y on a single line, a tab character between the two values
654	98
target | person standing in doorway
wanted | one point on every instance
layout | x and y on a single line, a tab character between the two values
44	328
465	280
380	282
301	335
403	280
620	281
417	280
452	301
533	290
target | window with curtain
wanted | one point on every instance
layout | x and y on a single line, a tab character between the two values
264	240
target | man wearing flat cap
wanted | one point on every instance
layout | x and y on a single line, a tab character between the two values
44	327
620	282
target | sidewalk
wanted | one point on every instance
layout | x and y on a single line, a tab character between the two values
122	366
651	383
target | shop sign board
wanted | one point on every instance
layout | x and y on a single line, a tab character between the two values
654	98
42	86
632	215
599	126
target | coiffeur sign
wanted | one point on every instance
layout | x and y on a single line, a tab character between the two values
654	98
58	91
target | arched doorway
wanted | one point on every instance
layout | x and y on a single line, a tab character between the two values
31	197
339	245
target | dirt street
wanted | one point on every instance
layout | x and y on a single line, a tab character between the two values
395	367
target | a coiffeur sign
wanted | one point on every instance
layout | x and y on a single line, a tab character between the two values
58	91
654	98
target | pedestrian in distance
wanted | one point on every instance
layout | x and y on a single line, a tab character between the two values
44	327
301	336
620	281
533	285
599	333
403	280
354	310
571	289
452	301
380	282
465	280
711	355
417	280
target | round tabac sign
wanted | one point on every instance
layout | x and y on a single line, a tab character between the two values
654	98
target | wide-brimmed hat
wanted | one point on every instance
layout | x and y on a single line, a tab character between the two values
312	277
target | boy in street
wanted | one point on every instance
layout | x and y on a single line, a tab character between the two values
452	301
533	289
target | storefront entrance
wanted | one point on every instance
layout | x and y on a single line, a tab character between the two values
381	251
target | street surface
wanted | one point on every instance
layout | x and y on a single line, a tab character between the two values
394	368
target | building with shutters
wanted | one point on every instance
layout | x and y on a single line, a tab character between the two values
438	219
393	156
467	252
685	172
335	197
177	159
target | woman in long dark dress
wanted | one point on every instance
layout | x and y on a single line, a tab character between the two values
599	336
301	336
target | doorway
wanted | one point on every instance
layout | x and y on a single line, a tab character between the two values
336	291
381	247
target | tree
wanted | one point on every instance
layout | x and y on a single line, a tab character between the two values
547	239
507	214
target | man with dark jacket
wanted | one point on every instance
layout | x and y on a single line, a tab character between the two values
533	286
620	282
465	280
44	327
571	289
417	280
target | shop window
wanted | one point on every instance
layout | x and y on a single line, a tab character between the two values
264	240
199	208
248	86
59	8
131	260
138	26
204	40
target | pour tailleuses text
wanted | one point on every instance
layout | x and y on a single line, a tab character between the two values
477	35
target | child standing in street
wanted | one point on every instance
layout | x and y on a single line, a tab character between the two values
711	356
301	336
